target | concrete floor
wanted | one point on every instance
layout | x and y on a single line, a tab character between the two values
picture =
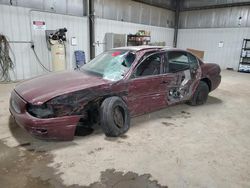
181	146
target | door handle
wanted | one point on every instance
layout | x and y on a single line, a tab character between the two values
165	82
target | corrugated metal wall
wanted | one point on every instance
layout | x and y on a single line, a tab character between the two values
211	18
204	29
167	4
200	3
208	41
15	24
77	27
135	12
158	34
71	7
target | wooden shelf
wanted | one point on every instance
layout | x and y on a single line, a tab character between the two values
136	40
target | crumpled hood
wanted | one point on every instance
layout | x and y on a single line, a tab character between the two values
43	88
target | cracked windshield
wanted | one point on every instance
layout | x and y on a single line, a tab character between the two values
111	65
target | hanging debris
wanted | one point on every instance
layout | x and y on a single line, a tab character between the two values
6	64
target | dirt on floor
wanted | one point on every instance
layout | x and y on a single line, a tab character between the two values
180	146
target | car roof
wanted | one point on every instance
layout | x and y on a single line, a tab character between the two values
140	48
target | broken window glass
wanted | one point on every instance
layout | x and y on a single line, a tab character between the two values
111	65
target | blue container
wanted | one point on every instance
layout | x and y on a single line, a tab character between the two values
80	58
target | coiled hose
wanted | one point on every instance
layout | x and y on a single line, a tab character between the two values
6	64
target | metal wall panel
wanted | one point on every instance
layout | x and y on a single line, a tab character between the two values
211	18
15	24
163	19
110	10
16	27
135	12
36	4
167	4
72	7
54	6
208	40
145	15
7	2
201	3
154	17
103	26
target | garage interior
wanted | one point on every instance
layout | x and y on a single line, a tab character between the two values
179	146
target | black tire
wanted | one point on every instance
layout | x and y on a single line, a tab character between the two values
200	95
114	117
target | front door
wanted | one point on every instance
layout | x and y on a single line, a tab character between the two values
145	88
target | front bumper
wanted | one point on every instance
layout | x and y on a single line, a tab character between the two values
61	128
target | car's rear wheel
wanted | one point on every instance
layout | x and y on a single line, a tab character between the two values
200	95
114	117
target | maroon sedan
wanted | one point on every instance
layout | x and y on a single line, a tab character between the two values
110	89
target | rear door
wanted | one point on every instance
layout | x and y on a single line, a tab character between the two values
182	73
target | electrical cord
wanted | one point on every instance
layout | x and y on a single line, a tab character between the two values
38	60
6	63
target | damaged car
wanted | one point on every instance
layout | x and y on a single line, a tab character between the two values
113	87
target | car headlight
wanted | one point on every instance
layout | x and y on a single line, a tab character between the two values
63	105
15	106
40	111
68	104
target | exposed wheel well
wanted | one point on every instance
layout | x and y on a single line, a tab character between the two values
92	109
208	82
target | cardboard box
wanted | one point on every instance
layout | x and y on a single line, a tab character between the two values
198	53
